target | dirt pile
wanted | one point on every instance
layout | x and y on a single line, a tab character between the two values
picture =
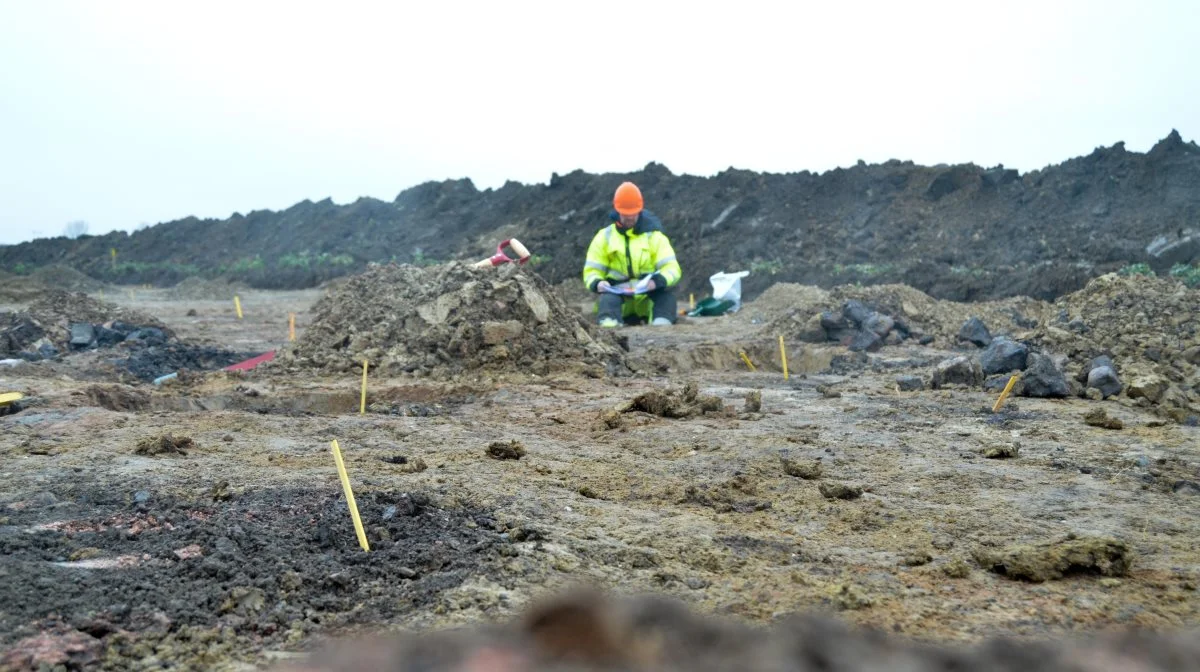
796	311
579	632
451	319
65	278
199	289
1148	331
60	321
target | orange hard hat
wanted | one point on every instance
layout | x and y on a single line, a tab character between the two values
628	199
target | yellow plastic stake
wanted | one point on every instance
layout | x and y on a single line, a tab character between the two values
749	364
783	356
113	252
237	303
1004	395
692	301
362	404
341	467
291	326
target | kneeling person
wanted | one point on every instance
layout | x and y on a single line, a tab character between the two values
632	251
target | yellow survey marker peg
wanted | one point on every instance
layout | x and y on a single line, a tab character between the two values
1004	395
341	467
746	359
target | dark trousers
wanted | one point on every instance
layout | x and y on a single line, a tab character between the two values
663	298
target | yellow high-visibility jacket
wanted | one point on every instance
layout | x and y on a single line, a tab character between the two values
620	255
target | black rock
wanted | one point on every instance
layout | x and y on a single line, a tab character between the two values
1105	379
1003	355
909	383
925	340
107	337
836	326
1043	379
878	323
975	331
865	341
82	335
123	327
856	312
148	336
957	371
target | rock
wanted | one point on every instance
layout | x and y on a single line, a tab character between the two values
909	383
753	402
812	331
1054	560
1104	379
82	335
809	471
1003	355
836	327
957	371
498	333
998	383
1192	355
1098	418
975	331
1043	379
925	339
1002	451
1149	387
865	341
141	496
510	450
1186	488
856	313
106	336
148	335
878	324
839	490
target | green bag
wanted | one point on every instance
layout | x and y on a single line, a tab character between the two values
710	307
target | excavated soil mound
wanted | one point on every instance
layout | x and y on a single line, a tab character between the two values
794	310
65	278
449	319
198	289
1150	327
45	325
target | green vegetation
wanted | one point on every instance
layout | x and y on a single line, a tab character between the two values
868	270
1188	275
153	267
1136	269
539	259
419	258
769	267
307	260
21	268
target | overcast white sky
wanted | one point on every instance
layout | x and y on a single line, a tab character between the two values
121	113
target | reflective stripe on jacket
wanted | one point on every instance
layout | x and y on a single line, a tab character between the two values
618	255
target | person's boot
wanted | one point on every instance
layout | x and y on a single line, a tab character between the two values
609	323
661	322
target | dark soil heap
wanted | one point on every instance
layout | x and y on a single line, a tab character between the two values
47	322
450	319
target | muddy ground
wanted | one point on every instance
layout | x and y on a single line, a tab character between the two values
234	550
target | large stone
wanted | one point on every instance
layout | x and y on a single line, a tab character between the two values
909	383
82	335
836	326
1150	386
957	371
975	331
878	323
1003	355
856	312
1105	380
1043	379
498	333
812	331
865	341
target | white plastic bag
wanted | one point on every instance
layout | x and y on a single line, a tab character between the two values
728	287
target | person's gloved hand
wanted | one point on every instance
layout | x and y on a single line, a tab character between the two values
650	285
602	287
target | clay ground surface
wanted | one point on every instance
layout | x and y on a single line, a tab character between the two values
236	550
